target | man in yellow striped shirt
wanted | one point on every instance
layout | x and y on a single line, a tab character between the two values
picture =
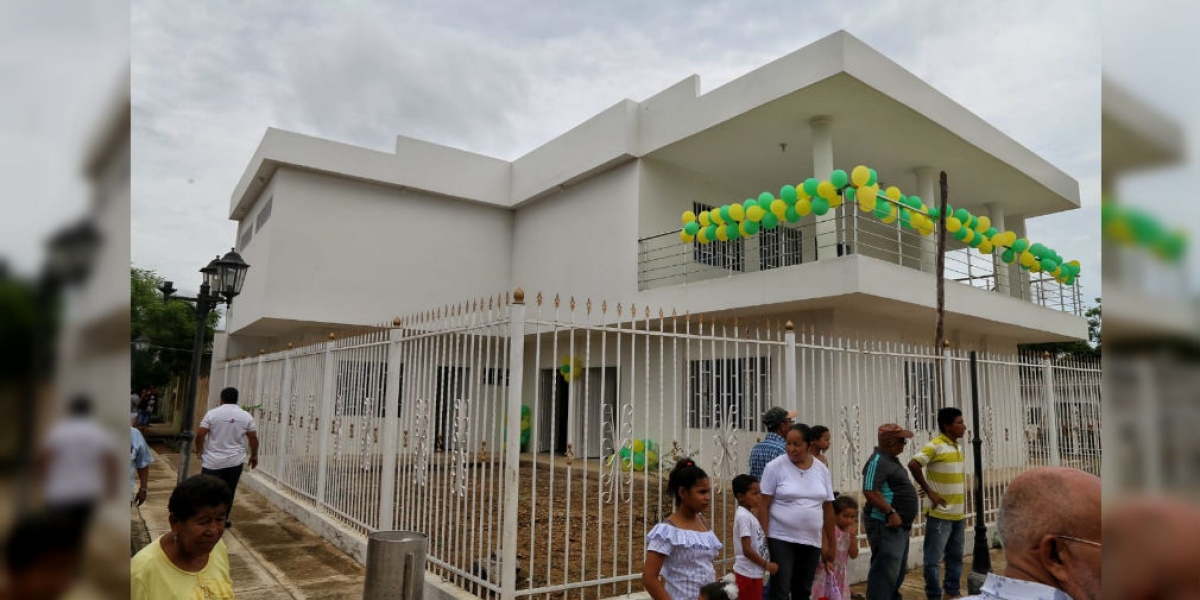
938	469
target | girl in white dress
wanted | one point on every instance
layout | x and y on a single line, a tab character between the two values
681	549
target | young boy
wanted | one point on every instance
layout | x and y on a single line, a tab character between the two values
750	543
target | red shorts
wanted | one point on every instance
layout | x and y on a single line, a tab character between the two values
749	589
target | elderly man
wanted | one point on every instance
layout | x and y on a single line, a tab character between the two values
892	507
1050	525
777	421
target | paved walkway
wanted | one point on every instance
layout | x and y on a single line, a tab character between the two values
271	555
914	583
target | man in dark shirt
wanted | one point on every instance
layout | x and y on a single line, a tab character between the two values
891	507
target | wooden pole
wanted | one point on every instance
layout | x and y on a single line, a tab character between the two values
940	273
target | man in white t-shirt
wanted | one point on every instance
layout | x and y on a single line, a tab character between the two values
78	464
222	439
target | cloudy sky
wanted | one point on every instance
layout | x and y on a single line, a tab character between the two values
503	78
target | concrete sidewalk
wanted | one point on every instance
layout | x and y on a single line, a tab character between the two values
271	555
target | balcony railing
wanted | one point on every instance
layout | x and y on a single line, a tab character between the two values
665	260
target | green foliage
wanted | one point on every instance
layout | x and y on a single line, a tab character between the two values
19	328
1090	348
170	326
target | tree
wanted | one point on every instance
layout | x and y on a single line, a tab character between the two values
1079	349
170	326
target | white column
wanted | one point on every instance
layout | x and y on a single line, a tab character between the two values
927	189
512	446
822	151
391	424
285	415
1050	410
323	426
1017	287
995	212
789	364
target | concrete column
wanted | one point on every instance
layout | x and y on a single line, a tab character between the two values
995	212
822	151
1017	287
927	189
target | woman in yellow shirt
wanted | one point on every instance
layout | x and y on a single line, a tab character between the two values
190	562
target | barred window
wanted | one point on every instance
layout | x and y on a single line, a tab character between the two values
725	255
920	394
728	392
264	214
780	247
360	384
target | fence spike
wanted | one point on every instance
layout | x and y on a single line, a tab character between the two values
589	306
557	301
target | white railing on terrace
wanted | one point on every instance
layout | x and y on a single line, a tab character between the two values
406	427
666	260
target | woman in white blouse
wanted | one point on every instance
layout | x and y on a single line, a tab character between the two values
797	515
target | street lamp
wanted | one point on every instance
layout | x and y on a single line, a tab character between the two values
223	280
141	343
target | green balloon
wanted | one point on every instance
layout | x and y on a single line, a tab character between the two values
905	217
963	215
1037	250
710	232
788	193
934	212
1021	245
731	230
750	202
692	228
991	232
1070	280
820	206
770	221
1008	256
873	178
850	194
810	186
751	227
725	216
915	202
975	241
1049	265
626	452
883	208
791	215
764	199
961	234
839	179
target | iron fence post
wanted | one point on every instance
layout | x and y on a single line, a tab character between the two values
390	425
512	445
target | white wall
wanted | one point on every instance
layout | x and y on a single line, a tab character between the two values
579	241
342	251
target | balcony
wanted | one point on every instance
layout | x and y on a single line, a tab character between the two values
664	260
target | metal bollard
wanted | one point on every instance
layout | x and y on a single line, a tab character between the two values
395	565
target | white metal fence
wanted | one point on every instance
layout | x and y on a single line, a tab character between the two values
406	427
665	260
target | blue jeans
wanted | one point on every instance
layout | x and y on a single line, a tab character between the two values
143	418
889	560
943	540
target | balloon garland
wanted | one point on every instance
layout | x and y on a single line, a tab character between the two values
861	186
1132	227
571	369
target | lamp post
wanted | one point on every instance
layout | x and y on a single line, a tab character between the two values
223	279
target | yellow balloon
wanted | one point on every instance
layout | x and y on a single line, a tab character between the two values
683	235
738	212
860	176
755	213
715	217
953	224
893	192
826	190
704	220
721	235
800	193
835	201
970	236
1074	263
891	217
803	206
982	224
986	247
926	229
868	194
779	207
702	237
1027	259
866	203
688	217
742	230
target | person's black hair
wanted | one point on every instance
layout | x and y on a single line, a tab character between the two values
805	431
843	502
38	536
198	492
80	406
946	417
714	591
742	483
685	474
818	431
229	395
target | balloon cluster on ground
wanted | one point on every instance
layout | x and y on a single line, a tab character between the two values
638	455
861	186
1132	227
571	369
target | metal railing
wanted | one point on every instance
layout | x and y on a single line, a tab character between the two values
665	260
408	427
